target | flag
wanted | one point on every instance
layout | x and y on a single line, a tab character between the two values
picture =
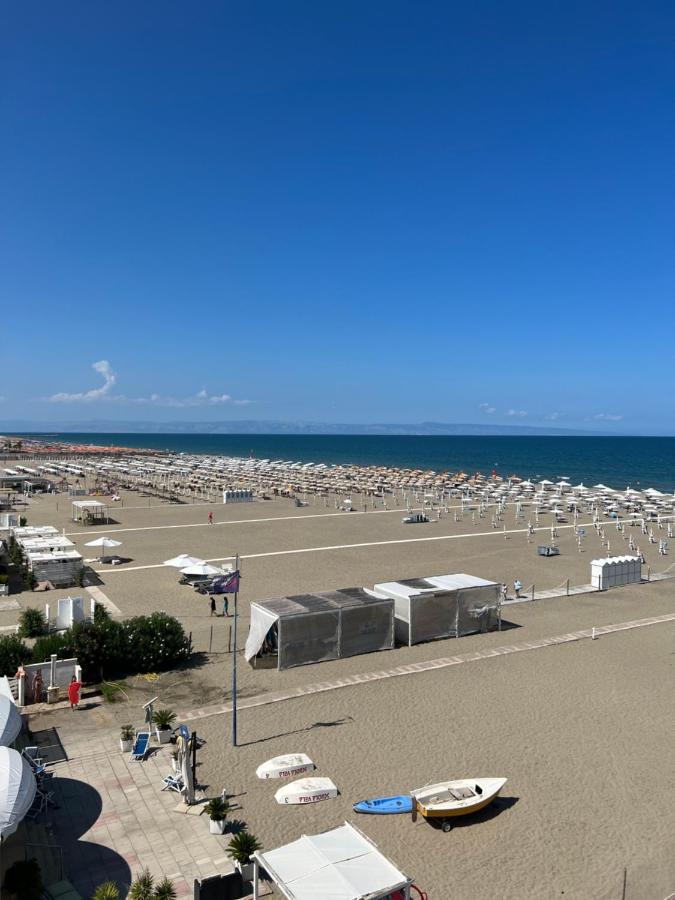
225	584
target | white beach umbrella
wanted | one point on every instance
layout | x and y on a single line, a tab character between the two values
183	560
17	790
10	721
104	543
201	569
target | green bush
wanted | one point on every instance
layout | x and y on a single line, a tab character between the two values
242	847
4	579
156	642
106	891
60	643
32	623
13	652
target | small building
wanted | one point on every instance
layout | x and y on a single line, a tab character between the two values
309	628
442	606
50	556
614	571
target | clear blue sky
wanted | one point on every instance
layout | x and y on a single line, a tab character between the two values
349	212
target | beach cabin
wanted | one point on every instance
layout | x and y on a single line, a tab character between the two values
309	628
614	571
441	606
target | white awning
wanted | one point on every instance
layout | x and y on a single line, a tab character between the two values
10	721
17	790
342	864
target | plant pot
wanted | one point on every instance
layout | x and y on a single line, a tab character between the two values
4	590
125	746
245	870
217	827
163	735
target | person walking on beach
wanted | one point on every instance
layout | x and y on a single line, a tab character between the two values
213	605
210	518
226	605
517	587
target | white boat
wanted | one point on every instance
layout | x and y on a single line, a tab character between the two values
306	790
448	799
288	766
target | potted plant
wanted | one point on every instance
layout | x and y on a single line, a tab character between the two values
217	810
162	720
4	585
126	738
241	848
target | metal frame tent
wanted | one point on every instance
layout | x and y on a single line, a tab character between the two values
316	627
442	606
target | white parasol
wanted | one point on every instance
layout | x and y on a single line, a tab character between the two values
183	560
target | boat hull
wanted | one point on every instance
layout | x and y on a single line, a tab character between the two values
385	806
452	813
451	799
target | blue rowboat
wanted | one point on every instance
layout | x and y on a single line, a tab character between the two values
385	806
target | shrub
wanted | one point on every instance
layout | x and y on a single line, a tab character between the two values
242	847
127	733
165	890
22	521
13	652
101	614
217	809
24	879
61	644
106	891
156	642
163	718
142	887
4	579
111	691
32	623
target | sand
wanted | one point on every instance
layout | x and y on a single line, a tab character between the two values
583	731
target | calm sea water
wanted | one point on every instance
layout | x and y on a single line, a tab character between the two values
615	461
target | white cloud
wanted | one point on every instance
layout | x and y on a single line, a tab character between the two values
607	417
201	398
516	412
553	417
109	378
487	409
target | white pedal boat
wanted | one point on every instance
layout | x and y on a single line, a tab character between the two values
306	790
285	766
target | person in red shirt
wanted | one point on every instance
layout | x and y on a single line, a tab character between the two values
74	692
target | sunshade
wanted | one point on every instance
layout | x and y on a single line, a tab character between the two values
183	560
104	542
202	569
17	790
10	721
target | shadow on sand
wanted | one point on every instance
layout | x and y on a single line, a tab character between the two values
334	724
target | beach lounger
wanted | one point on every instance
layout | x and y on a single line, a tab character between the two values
141	745
173	783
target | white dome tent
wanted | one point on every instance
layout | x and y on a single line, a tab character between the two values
17	790
10	721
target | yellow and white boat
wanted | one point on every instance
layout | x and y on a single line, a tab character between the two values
449	799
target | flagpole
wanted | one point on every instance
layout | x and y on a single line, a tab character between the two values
234	660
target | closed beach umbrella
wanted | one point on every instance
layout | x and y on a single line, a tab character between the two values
10	721
183	560
17	790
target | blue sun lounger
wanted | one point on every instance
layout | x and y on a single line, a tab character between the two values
141	745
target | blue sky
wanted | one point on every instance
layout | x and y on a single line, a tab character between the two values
353	212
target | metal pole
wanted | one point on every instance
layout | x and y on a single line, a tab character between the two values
234	664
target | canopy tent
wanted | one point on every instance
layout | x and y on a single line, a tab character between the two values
183	560
17	790
311	628
427	609
342	864
10	721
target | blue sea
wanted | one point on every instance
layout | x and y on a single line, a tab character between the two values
619	462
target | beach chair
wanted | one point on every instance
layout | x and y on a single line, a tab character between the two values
173	783
141	745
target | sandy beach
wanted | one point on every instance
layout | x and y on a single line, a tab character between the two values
583	731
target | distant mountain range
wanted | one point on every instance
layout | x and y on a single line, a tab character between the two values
274	427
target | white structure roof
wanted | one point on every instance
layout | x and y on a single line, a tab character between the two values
10	721
342	864
434	584
17	790
88	504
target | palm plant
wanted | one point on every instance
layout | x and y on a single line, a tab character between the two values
165	890
242	847
217	809
106	891
143	886
163	718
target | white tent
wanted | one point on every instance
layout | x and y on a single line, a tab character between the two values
342	864
17	790
10	721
